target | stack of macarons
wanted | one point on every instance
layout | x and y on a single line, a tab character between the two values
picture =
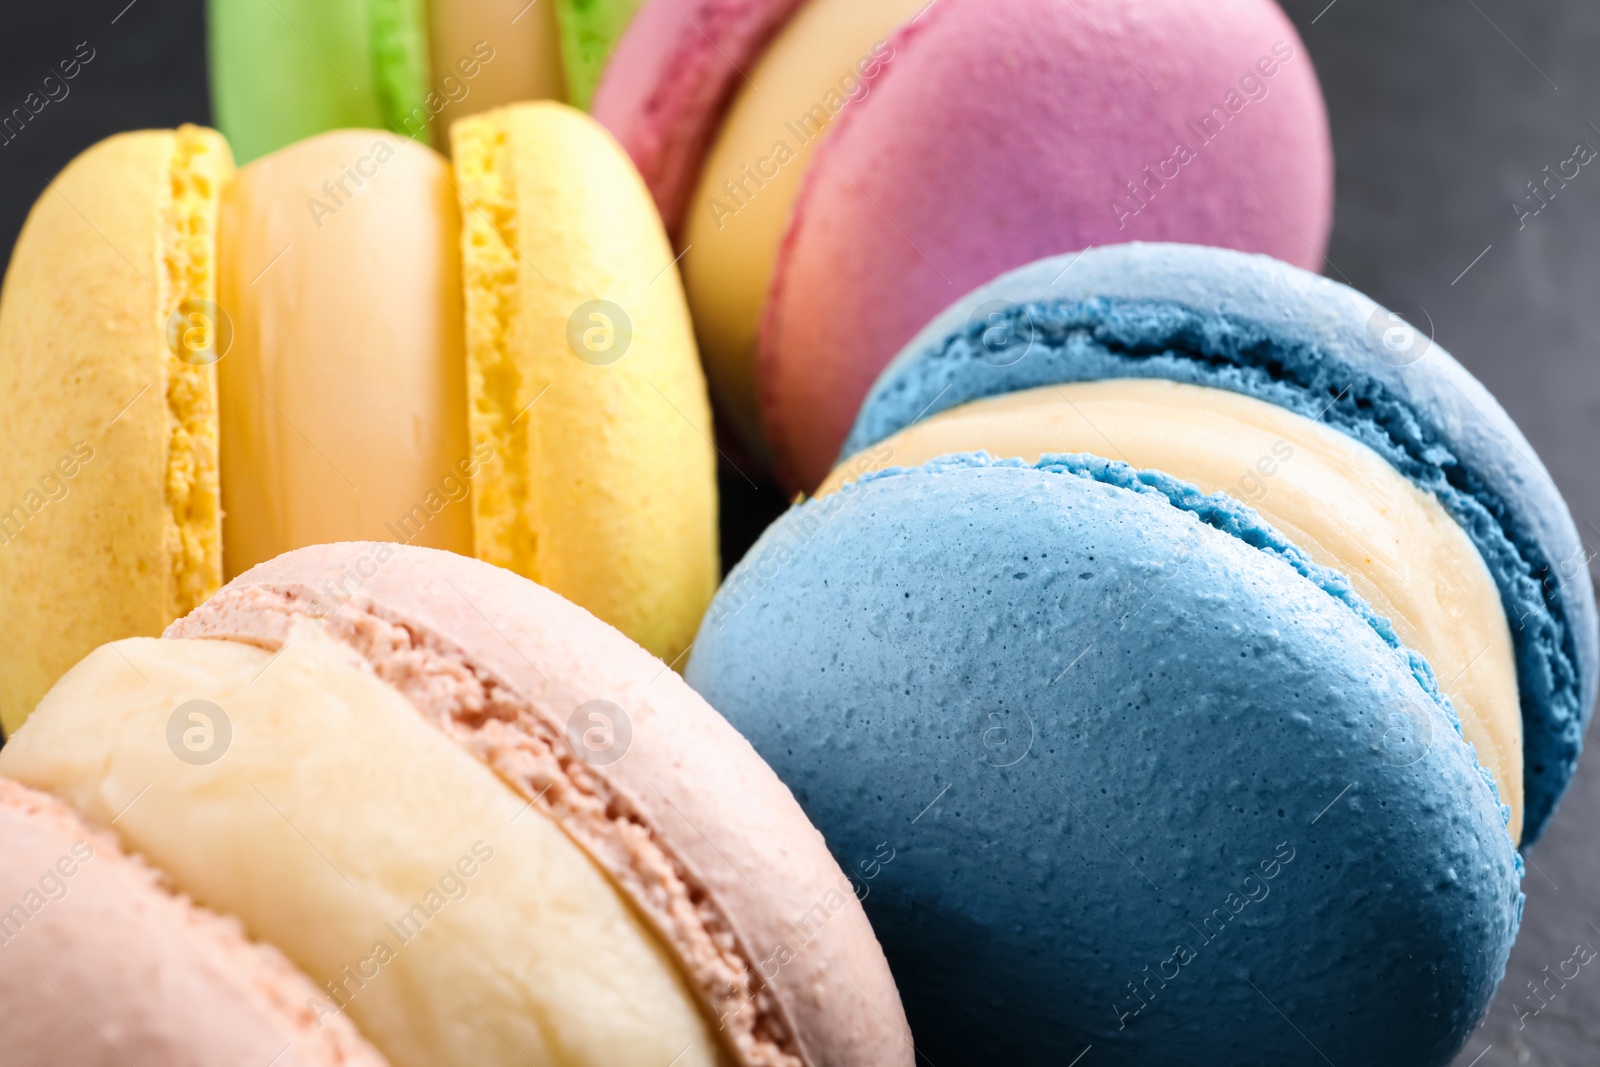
285	70
1199	641
836	172
450	819
202	368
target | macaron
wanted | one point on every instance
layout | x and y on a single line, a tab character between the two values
490	828
836	173
346	340
284	71
102	963
1200	639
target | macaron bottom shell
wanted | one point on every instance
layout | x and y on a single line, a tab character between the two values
1110	775
423	895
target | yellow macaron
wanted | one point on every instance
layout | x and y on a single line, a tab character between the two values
347	339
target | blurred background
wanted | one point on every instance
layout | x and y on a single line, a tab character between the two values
1445	114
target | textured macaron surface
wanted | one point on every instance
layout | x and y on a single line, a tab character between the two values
102	965
1001	131
1256	326
1117	766
110	525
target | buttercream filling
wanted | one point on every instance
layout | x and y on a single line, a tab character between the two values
1339	501
441	908
819	64
343	397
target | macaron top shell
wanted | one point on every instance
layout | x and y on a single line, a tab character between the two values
1006	130
101	965
1260	327
686	819
1089	707
670	79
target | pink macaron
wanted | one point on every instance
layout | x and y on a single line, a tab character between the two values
998	132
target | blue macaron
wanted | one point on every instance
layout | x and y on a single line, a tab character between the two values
1113	762
1254	325
1114	765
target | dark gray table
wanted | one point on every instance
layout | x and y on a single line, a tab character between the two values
1443	111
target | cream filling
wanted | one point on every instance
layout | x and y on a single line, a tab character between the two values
1335	498
343	399
488	53
450	920
752	174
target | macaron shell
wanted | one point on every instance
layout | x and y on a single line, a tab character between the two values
981	148
102	966
1065	719
670	79
590	30
109	511
685	775
1317	347
583	377
286	70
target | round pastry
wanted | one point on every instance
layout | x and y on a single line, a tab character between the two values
874	161
487	826
102	965
346	340
291	69
1199	639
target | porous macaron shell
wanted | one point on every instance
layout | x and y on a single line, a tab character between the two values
980	148
110	525
602	484
1081	718
102	965
701	793
1315	346
671	77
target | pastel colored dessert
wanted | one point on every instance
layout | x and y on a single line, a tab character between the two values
489	828
1199	640
291	69
836	172
346	341
102	965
